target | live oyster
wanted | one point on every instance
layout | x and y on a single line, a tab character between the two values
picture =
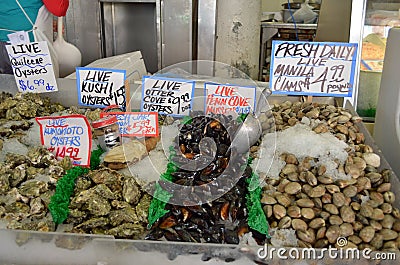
27	105
93	115
25	192
123	155
107	202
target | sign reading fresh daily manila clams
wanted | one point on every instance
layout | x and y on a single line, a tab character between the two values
98	87
167	95
67	136
313	68
225	98
32	67
136	123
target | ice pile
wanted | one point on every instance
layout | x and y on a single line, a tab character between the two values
302	142
152	166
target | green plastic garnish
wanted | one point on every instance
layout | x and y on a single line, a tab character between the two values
59	202
157	206
187	120
241	118
161	197
256	218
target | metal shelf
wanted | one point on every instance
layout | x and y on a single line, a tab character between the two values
269	30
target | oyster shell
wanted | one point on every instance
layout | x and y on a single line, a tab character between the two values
120	156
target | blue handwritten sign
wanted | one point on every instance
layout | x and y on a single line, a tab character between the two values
99	87
313	68
67	136
167	95
32	67
136	123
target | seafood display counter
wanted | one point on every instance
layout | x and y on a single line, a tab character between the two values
310	199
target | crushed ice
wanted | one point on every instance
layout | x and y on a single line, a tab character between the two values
302	142
283	237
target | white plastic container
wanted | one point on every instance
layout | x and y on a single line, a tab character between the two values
387	121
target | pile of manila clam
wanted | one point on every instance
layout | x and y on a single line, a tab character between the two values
320	207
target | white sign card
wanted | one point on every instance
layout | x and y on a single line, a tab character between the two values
167	95
100	88
32	67
225	98
313	68
19	37
67	136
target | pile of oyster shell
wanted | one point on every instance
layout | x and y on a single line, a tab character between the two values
321	208
107	202
27	183
26	106
17	111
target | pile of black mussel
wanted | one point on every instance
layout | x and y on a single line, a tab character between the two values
210	204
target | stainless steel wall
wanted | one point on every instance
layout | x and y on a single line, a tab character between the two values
165	31
83	28
131	26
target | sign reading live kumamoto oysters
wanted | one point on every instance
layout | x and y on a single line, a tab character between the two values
67	136
313	68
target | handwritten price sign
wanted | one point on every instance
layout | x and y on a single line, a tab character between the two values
38	84
222	99
167	95
136	123
32	67
98	87
67	136
313	68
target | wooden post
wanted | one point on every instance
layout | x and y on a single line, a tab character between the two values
128	96
309	98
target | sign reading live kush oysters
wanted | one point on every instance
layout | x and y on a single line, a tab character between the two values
98	87
67	136
313	68
32	67
167	95
224	98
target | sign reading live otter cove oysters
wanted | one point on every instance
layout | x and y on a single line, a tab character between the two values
67	136
98	87
167	95
32	67
313	68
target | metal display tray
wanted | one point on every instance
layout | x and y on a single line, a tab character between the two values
30	247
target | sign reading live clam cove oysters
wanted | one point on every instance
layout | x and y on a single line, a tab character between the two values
67	136
32	67
167	95
98	87
313	68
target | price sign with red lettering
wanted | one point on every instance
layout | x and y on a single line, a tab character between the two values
32	67
136	123
98	87
167	95
226	98
67	136
313	68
